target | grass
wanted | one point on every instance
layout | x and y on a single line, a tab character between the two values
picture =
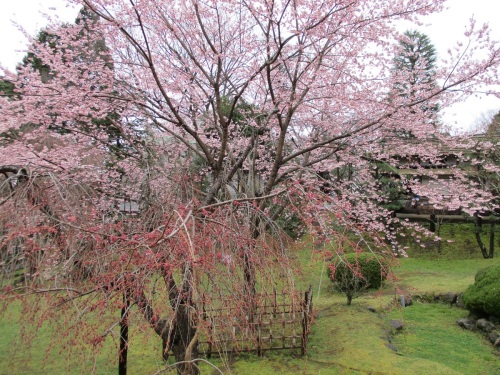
431	334
438	276
344	339
44	354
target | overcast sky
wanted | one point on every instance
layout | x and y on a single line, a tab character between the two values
443	29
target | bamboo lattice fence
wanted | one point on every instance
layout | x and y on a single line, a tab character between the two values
281	321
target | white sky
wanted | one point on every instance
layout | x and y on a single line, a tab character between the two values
444	30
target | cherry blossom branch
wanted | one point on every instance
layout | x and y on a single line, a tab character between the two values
240	200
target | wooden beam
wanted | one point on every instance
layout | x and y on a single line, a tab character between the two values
446	218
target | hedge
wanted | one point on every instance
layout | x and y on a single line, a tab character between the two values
483	297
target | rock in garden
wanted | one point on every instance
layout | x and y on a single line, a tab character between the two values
485	325
450	298
494	319
493	337
396	324
467	323
406	300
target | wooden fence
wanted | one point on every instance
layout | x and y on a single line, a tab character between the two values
280	321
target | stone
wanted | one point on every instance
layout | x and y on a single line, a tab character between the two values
467	323
396	324
493	337
497	343
426	298
485	325
494	319
450	298
405	300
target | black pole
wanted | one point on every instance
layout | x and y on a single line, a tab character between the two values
122	355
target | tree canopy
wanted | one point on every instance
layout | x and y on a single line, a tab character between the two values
230	116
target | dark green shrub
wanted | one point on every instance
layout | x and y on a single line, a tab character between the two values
353	273
483	297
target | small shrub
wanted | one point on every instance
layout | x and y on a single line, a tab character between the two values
353	273
483	297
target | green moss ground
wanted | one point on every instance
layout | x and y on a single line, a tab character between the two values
431	335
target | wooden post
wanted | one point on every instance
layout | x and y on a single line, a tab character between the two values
306	318
304	325
275	303
210	329
283	328
271	332
259	337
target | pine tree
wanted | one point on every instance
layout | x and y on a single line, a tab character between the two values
415	69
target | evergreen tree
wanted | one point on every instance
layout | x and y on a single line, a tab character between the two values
7	88
494	126
417	56
87	53
414	67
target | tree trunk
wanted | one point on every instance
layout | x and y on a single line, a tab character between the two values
432	223
438	230
492	239
184	343
181	335
487	253
249	286
250	280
